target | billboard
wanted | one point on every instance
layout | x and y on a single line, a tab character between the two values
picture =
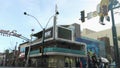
61	33
93	46
64	33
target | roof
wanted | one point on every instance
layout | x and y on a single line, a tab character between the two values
38	34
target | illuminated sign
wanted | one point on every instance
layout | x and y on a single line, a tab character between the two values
49	33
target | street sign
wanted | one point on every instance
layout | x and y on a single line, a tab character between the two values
89	15
92	14
95	13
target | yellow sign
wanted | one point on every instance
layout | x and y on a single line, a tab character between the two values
104	7
104	2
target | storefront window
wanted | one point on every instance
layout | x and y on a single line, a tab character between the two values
52	62
69	62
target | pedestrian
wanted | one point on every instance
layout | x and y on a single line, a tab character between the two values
81	64
101	64
89	60
94	61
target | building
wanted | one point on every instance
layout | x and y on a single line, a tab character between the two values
1	59
106	36
107	45
57	50
94	46
105	33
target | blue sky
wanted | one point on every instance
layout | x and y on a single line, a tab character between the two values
12	17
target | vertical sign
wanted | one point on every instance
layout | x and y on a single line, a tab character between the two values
104	7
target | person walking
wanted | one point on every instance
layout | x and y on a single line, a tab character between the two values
94	61
101	64
89	60
81	66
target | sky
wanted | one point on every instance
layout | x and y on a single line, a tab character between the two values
12	17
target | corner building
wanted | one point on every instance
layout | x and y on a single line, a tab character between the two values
56	50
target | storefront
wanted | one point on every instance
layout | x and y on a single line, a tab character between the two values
56	61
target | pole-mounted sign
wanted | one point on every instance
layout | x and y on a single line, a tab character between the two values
102	10
91	14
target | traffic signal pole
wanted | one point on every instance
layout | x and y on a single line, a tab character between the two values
115	41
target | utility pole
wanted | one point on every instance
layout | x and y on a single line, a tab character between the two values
27	61
55	21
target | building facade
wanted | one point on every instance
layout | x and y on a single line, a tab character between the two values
105	33
106	36
94	46
1	59
57	50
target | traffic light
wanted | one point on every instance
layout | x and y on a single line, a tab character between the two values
82	16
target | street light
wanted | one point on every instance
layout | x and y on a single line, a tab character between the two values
114	33
43	35
34	18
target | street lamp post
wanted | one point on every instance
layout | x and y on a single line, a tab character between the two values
43	34
31	37
30	41
115	40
